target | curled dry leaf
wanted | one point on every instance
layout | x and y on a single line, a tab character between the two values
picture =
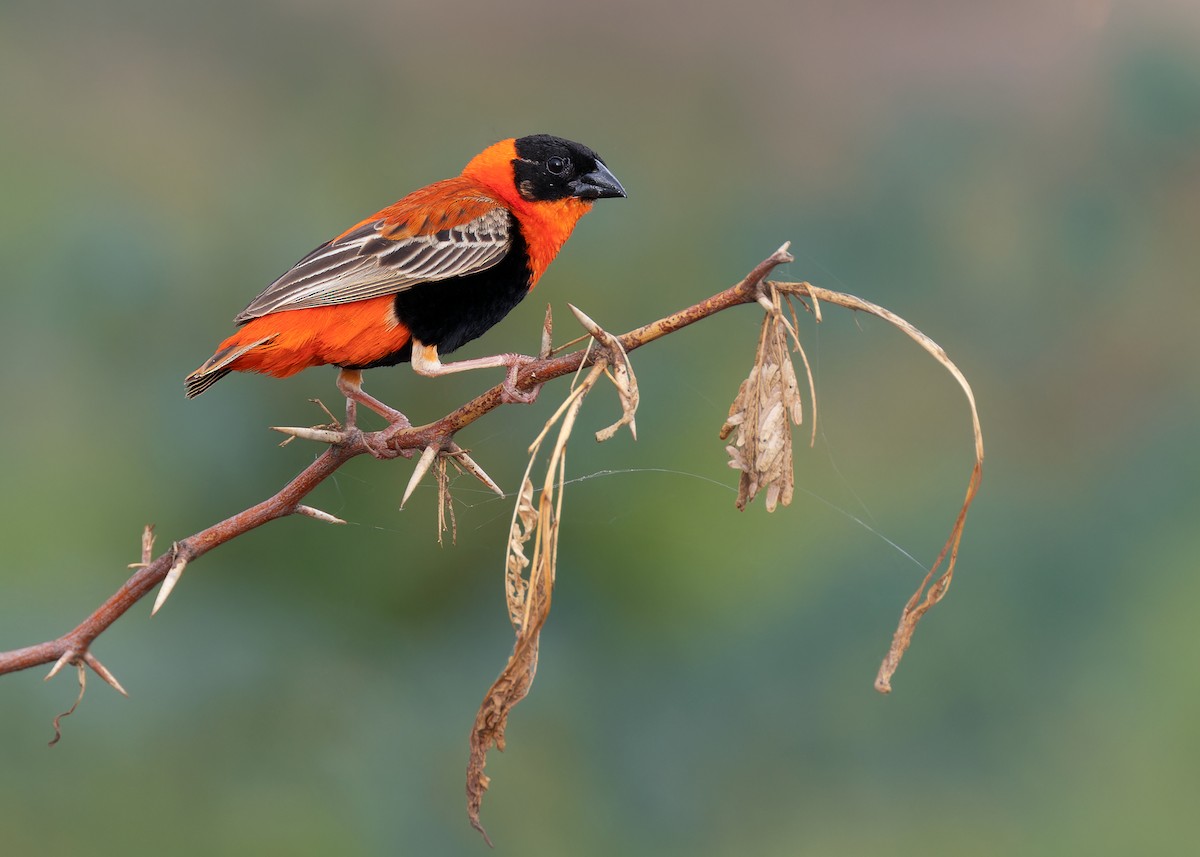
147	547
931	590
58	720
623	379
529	578
620	372
767	402
516	586
528	586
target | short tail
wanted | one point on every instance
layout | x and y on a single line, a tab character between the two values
218	366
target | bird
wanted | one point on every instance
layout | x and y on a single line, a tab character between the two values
423	276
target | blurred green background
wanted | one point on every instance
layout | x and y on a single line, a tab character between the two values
1020	180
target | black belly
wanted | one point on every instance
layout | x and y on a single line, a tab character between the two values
450	313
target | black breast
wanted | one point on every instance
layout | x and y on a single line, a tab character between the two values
450	313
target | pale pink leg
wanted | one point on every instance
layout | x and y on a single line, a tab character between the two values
425	361
349	384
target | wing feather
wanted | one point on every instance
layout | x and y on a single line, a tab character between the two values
368	262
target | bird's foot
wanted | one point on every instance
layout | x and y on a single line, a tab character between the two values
349	382
510	394
335	433
378	443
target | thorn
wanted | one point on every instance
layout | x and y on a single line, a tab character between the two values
588	325
468	464
598	333
168	584
318	514
547	335
319	435
423	464
102	671
68	656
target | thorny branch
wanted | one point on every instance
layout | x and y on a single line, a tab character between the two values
76	644
435	441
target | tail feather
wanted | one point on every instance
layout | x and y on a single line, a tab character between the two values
197	383
218	366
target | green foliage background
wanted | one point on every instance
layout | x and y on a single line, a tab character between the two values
1020	180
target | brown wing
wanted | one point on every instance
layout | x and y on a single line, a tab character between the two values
381	257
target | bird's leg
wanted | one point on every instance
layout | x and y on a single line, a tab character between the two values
349	383
425	362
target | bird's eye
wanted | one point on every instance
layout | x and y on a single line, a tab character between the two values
557	165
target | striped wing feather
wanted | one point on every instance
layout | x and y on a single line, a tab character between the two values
381	257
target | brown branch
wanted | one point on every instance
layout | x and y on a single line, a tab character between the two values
75	646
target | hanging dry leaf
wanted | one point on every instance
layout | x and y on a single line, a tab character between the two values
767	402
931	590
516	586
528	598
82	687
620	372
445	501
529	580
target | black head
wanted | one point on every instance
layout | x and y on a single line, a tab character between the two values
549	168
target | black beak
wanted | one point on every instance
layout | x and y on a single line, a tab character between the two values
597	184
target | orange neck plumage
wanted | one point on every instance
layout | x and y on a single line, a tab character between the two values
545	225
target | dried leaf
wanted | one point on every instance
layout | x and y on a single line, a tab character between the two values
71	710
621	375
510	688
435	459
924	598
516	586
528	599
529	580
445	501
147	544
767	401
624	380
